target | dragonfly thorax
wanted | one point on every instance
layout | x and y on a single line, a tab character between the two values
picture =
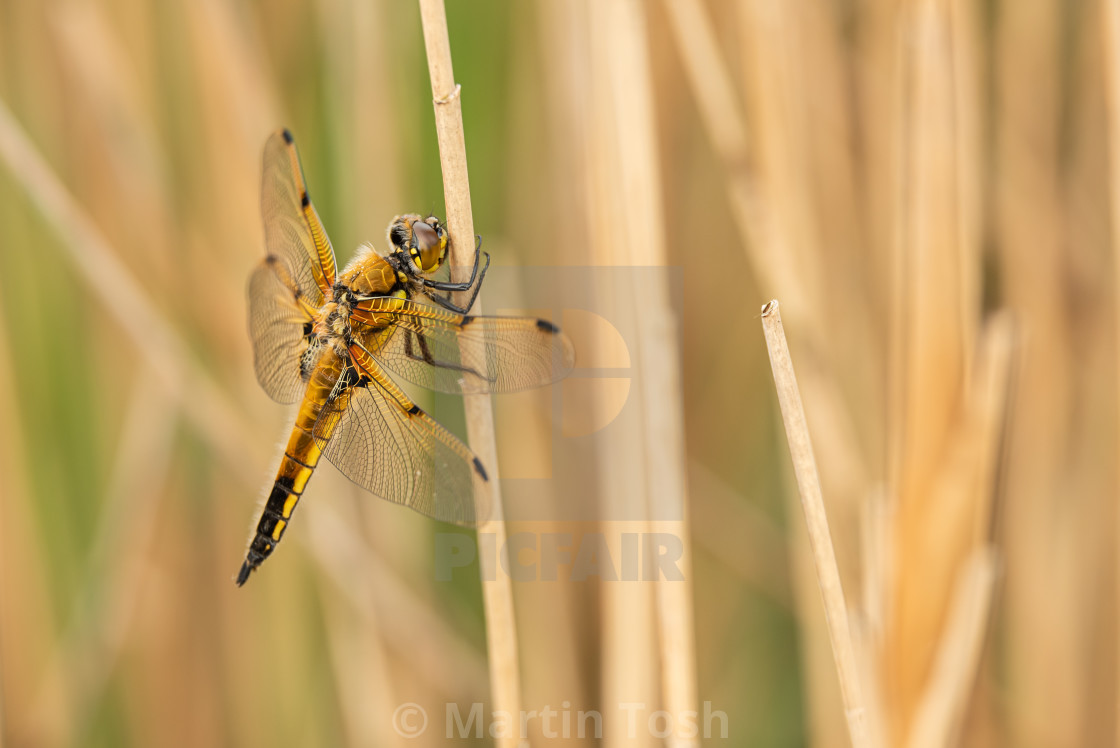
335	314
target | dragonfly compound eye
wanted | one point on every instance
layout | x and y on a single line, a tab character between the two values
428	247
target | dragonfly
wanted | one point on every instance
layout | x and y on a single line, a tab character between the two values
333	341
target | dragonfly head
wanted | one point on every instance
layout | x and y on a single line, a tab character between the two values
421	242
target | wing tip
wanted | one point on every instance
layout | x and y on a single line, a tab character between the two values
480	470
567	350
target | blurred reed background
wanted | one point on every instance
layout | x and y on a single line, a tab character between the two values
923	184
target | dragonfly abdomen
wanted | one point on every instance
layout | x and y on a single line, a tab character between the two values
298	462
291	479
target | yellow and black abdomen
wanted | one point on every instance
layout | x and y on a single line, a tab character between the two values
298	462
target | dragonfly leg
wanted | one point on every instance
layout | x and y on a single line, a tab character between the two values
445	301
425	355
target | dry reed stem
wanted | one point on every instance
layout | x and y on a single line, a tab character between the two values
816	520
952	541
876	521
938	718
663	435
1035	239
497	591
766	173
1110	27
937	258
929	252
896	280
961	32
877	560
963	493
772	213
626	631
17	537
1049	600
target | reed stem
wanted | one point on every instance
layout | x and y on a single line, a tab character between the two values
1110	26
816	520
501	629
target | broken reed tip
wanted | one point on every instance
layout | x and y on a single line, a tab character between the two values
769	307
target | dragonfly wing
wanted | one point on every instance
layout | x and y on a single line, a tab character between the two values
292	229
454	353
386	444
280	328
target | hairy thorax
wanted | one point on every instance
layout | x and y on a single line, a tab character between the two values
367	274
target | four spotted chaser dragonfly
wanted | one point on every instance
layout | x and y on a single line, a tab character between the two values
328	339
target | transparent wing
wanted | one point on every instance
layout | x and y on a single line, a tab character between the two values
453	353
383	442
280	328
292	229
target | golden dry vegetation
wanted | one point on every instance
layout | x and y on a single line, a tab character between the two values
931	188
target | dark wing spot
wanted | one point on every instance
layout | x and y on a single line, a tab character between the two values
547	326
288	136
481	470
414	409
304	200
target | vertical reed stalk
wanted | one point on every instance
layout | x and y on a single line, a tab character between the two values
765	162
1047	601
940	713
501	630
816	520
627	628
663	435
1110	27
15	524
